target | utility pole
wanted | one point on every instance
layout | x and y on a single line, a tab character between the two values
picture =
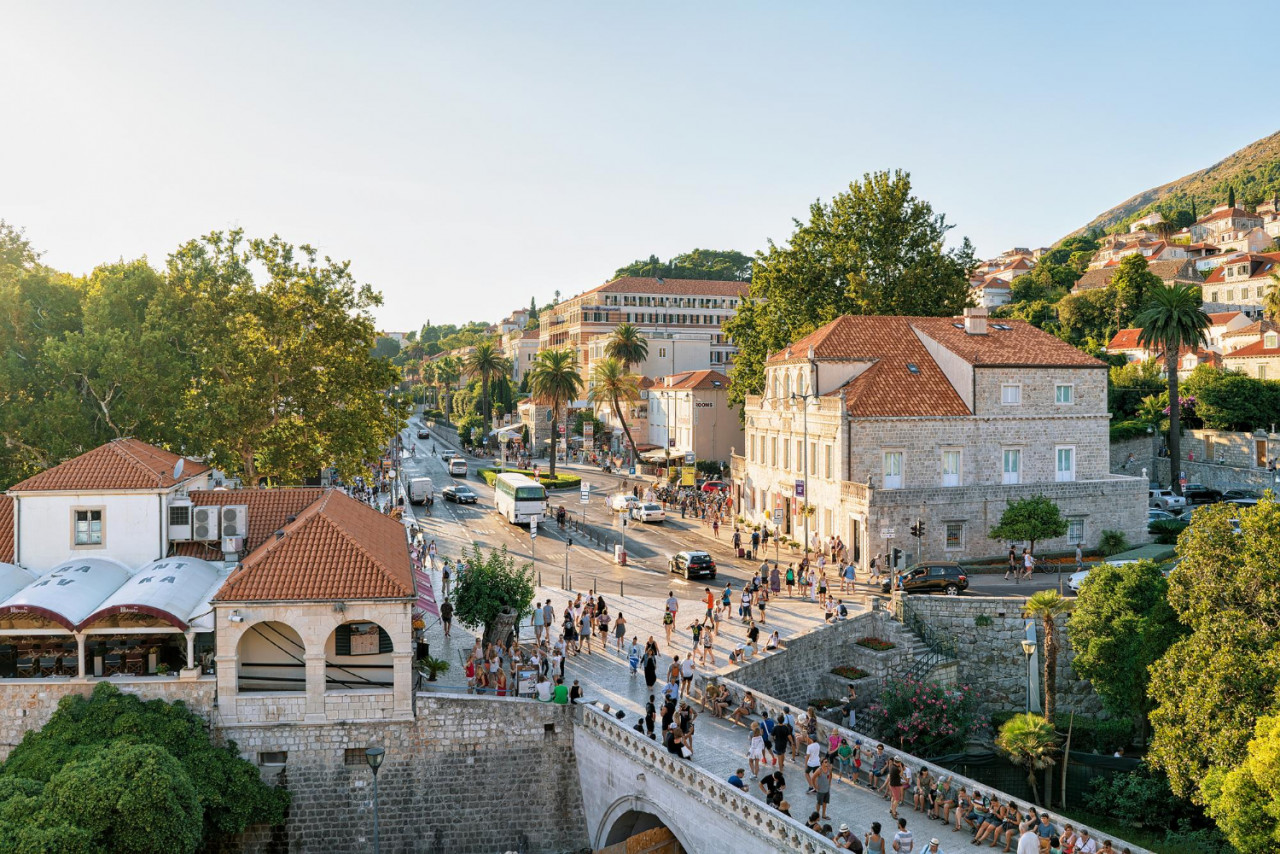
568	542
804	508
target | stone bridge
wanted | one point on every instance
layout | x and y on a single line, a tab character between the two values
631	784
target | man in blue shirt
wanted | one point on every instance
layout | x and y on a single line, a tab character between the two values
735	779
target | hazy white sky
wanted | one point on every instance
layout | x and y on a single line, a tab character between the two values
466	156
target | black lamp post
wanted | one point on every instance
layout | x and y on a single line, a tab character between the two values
374	756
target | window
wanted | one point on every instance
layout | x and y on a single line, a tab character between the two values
1064	394
800	456
828	453
950	468
1262	372
1075	529
273	757
1011	394
88	527
786	386
955	535
1213	296
1066	468
1230	295
1271	340
786	454
1012	466
893	470
773	450
753	448
813	458
354	756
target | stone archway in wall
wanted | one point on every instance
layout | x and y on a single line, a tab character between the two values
633	815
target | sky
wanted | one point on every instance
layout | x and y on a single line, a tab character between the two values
466	157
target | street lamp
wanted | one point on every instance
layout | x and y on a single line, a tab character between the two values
1029	647
374	756
805	471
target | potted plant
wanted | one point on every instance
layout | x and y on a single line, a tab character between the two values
434	667
162	669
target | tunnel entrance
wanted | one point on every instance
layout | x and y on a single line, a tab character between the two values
639	832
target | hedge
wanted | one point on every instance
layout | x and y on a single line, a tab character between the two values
560	481
1122	430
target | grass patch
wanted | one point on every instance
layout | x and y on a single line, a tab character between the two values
848	671
877	644
560	481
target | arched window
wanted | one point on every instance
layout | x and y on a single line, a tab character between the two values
358	655
786	386
271	657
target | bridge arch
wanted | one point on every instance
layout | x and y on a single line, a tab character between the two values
632	814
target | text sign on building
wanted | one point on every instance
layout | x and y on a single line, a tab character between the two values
799	489
689	458
886	533
777	515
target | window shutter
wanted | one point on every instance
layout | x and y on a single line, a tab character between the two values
384	640
342	640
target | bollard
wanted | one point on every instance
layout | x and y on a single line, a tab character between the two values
539	578
621	592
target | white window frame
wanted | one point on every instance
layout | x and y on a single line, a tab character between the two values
799	460
752	456
1061	476
102	527
1075	530
1007	399
954	478
891	481
1071	394
786	455
946	537
1006	476
813	459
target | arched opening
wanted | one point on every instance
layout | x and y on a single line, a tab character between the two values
357	656
637	830
271	657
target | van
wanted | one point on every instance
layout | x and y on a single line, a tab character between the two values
420	489
458	466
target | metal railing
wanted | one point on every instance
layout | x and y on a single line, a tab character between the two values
939	646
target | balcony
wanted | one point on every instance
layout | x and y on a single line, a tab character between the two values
859	492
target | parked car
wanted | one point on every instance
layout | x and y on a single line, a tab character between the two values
1243	502
459	493
1164	498
714	486
1236	494
940	577
1154	513
423	434
690	564
647	512
623	502
1196	494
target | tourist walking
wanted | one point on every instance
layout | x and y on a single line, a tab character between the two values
755	749
620	632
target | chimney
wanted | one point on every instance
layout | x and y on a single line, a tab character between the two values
975	320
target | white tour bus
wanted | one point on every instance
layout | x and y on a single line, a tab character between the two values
519	498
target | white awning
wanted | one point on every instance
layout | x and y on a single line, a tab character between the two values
12	579
71	592
170	589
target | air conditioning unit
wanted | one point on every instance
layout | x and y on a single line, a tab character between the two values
232	547
180	521
235	520
204	523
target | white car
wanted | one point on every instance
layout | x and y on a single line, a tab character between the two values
1165	499
623	502
648	512
1076	579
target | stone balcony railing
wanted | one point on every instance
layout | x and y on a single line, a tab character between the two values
859	492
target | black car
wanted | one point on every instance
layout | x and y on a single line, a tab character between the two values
459	492
940	577
690	564
1197	494
1237	494
423	434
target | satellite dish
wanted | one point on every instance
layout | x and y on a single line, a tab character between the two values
177	468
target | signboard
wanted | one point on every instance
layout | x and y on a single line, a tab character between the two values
426	593
799	489
533	527
561	429
631	470
585	495
887	533
777	515
588	429
689	459
688	476
671	443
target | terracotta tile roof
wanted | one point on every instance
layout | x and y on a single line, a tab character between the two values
1261	264
1253	330
1255	350
672	287
1169	270
1020	345
120	464
695	380
269	511
1221	318
337	549
1125	339
531	333
6	529
1229	213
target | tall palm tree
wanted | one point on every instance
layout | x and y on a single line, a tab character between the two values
610	383
1047	606
448	370
1173	319
1271	302
627	345
487	362
554	381
1030	742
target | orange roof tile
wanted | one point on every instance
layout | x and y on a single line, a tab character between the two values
1219	318
269	511
695	380
673	287
337	549
6	529
1125	339
1229	213
1261	265
1256	349
1019	345
1255	329
120	464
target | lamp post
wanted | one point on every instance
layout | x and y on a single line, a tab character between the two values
1029	648
568	542
805	471
374	756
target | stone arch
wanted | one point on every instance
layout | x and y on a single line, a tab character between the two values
271	656
631	814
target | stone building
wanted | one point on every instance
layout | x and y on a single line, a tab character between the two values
869	424
689	412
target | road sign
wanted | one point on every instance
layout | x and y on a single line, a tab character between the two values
533	527
799	489
777	515
887	533
561	429
585	495
631	470
689	459
588	429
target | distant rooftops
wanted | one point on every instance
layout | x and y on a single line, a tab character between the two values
123	464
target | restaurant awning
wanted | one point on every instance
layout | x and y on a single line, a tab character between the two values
12	579
70	593
171	589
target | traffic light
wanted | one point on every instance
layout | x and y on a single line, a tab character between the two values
917	530
896	558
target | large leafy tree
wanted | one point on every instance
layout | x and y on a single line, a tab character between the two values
1047	606
611	384
492	583
1213	687
1132	283
1122	624
554	381
713	264
875	249
1172	321
1031	519
1086	315
487	363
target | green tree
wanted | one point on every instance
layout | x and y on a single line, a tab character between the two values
448	372
1173	321
488	364
875	249
627	345
1271	301
385	348
492	583
1231	196
1031	742
1088	314
611	384
1132	283
1244	800
1129	384
1031	519
1122	624
712	264
1047	606
1214	685
554	381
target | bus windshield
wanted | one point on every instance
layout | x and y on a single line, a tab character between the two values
530	493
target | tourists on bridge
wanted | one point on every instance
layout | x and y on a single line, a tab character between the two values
650	662
873	842
791	580
755	749
902	841
650	712
774	786
781	740
845	839
755	543
633	654
735	779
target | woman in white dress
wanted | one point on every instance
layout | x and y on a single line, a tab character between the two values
755	750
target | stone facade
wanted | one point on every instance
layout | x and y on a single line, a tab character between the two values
1219	459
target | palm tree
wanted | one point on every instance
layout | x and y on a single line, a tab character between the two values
487	362
447	372
1271	302
1173	320
554	380
1047	606
1031	742
610	383
627	345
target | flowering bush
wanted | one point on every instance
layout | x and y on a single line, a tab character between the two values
925	719
878	644
848	671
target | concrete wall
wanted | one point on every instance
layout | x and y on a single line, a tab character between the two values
1237	451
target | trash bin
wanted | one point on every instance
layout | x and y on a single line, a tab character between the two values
619	555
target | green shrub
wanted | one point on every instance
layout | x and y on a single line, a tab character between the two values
560	481
983	620
1166	531
1088	734
923	717
1112	543
1122	430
